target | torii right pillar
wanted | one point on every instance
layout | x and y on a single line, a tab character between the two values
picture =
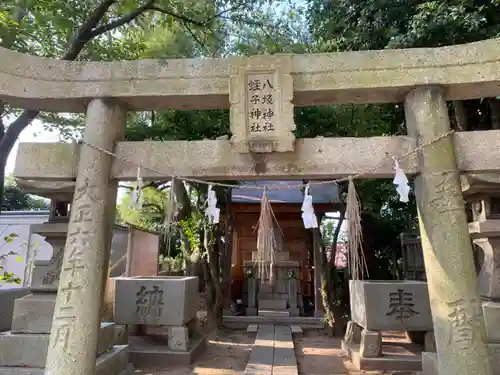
459	327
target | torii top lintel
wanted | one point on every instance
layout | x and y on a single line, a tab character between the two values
465	71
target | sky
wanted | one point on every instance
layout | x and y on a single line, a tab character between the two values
33	133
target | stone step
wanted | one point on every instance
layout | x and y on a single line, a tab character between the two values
285	361
112	362
261	358
273	296
252	328
296	330
273	313
25	349
272	304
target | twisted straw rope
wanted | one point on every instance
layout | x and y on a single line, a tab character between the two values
273	187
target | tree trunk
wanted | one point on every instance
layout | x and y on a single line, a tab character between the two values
88	31
217	298
226	258
328	279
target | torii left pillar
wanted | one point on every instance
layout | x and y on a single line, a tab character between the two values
75	326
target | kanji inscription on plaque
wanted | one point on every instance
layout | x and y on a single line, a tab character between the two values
261	90
261	103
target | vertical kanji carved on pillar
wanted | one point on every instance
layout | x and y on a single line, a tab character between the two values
75	327
451	278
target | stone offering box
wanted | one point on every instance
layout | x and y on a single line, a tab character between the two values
377	306
156	300
390	305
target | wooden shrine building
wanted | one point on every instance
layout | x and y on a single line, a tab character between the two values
294	242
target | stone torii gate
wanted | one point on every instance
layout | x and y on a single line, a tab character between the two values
261	148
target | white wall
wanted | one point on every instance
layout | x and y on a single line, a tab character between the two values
25	245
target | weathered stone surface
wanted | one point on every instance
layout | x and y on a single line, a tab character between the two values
390	305
19	350
252	328
216	160
458	321
491	312
160	300
262	355
260	94
77	314
371	344
274	313
33	313
296	330
146	353
110	363
46	272
273	304
429	363
352	333
489	275
465	71
285	362
8	298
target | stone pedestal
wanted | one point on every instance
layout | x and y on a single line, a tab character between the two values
378	306
23	349
165	306
279	300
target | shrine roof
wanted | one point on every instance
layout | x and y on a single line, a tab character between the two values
322	194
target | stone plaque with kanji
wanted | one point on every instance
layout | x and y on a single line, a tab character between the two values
261	91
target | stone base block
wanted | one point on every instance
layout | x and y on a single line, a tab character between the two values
429	363
251	311
293	311
388	363
242	322
122	333
33	313
491	311
31	349
110	363
296	330
252	328
272	304
7	300
176	338
494	349
273	313
144	353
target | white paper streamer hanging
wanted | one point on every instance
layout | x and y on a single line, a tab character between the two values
308	216
401	182
137	192
212	212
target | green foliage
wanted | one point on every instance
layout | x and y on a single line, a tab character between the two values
152	214
347	25
5	276
15	199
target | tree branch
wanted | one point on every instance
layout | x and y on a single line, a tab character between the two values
122	20
13	132
178	16
195	37
84	33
